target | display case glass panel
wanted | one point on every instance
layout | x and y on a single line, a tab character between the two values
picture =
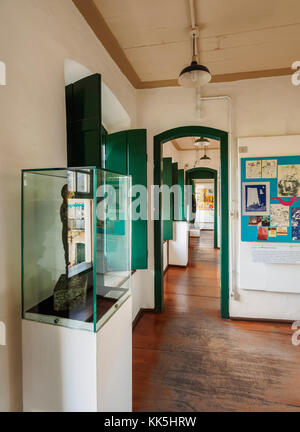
76	246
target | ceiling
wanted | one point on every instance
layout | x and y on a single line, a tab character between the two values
203	181
187	143
238	38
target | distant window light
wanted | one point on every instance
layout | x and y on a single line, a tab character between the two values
2	73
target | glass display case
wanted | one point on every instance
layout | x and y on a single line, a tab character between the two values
76	245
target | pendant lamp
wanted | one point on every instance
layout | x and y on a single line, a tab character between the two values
201	142
205	157
195	75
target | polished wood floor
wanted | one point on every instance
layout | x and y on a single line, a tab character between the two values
188	359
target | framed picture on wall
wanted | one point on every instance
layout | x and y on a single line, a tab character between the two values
256	198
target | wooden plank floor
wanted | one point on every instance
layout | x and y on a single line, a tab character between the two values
188	359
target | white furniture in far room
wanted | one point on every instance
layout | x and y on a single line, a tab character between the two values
195	232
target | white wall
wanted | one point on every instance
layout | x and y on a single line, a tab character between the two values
35	38
170	151
141	286
260	107
165	254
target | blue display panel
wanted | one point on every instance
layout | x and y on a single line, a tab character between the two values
270	209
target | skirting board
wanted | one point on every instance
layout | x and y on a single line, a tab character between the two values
139	315
266	320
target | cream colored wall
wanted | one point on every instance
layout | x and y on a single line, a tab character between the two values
170	151
187	158
260	107
35	38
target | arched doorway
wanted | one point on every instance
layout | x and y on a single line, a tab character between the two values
206	173
159	140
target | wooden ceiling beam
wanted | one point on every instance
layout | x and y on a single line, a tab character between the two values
97	23
236	76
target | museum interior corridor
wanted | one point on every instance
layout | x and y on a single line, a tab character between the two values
150	207
189	359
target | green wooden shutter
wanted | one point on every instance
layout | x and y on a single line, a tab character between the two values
175	182
116	152
181	185
126	153
167	200
137	168
83	108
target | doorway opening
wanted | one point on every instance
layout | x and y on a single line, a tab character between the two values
205	185
190	177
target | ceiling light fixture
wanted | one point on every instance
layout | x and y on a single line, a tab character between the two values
201	142
195	75
205	157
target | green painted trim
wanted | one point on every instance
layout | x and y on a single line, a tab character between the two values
181	210
159	140
216	208
167	203
203	173
224	228
158	229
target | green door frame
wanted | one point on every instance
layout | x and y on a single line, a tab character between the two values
159	140
207	173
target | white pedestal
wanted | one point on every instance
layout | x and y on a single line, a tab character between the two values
75	370
195	232
178	247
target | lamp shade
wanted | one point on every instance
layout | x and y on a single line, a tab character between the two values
201	142
194	75
205	157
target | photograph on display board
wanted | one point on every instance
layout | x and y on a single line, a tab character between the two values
280	215
295	216
288	180
256	199
269	168
254	221
262	233
282	231
265	221
253	169
272	232
296	233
